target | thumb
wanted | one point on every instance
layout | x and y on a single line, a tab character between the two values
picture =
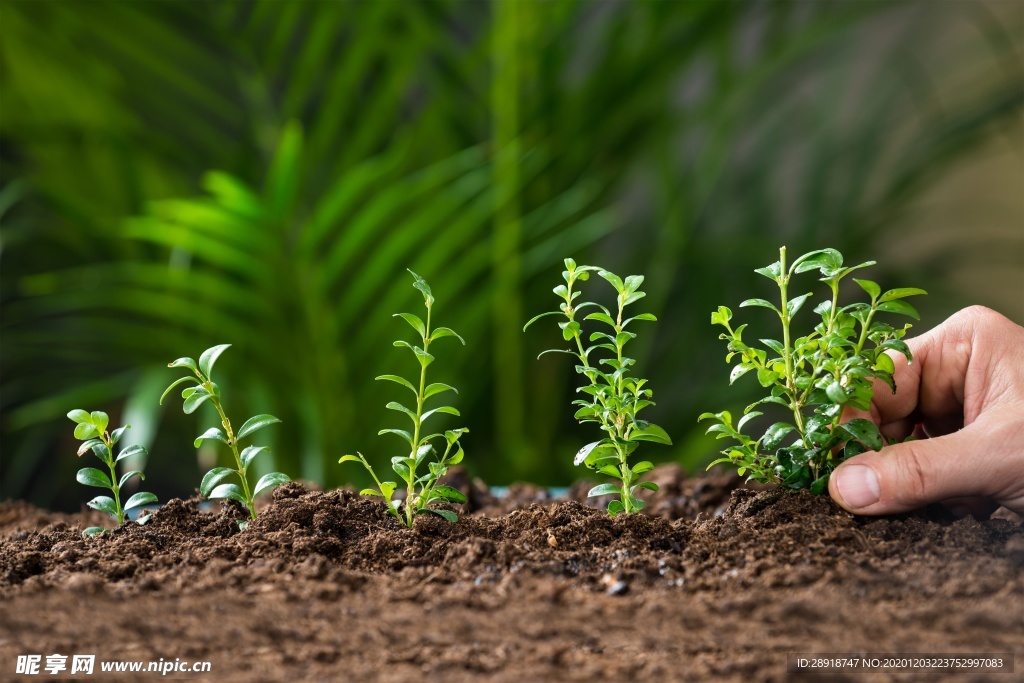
908	476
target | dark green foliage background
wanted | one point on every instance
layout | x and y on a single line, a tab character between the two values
181	174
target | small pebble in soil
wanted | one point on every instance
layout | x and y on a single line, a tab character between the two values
552	541
614	586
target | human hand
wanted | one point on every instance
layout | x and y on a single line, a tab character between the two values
963	395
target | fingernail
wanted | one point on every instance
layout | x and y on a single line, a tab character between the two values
858	485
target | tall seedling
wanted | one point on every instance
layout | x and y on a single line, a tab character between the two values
614	398
422	490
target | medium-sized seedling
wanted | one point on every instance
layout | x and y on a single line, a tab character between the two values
204	389
422	490
91	429
614	397
814	376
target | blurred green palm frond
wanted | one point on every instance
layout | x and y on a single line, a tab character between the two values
261	173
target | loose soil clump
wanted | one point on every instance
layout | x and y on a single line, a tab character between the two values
716	583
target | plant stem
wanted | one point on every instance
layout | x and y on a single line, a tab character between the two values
410	492
787	351
112	465
232	442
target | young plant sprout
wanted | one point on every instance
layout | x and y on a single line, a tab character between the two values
91	429
421	489
614	397
205	389
813	374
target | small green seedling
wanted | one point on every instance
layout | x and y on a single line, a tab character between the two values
421	490
614	398
205	389
814	376
91	429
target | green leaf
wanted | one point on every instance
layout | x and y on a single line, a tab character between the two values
450	494
115	435
211	433
398	380
437	388
641	467
269	481
421	284
538	317
825	260
604	490
773	435
796	304
140	498
900	293
250	452
93	530
195	400
820	485
651	433
442	332
422	356
771	272
649	485
601	317
884	363
614	279
739	371
447	514
90	476
761	303
583	453
900	307
85	430
398	432
400	468
370	492
129	452
78	415
870	287
230	491
104	504
353	458
255	423
643	316
443	409
212	478
128	475
100	419
184	363
394	405
836	393
865	432
174	384
722	316
414	321
616	507
209	357
97	447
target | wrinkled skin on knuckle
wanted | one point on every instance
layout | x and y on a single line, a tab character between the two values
913	482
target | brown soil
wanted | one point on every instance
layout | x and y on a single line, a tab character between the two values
715	584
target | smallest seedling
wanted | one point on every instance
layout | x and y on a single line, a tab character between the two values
91	429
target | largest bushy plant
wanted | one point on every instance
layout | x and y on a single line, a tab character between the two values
813	374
